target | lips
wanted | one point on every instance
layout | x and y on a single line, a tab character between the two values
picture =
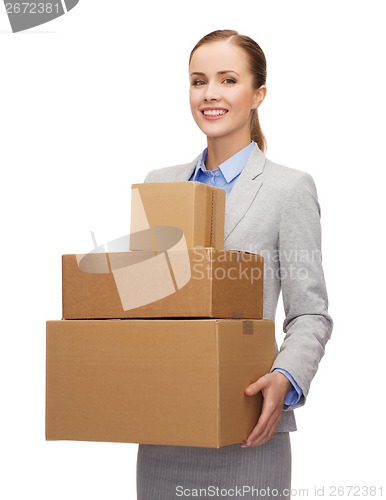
213	113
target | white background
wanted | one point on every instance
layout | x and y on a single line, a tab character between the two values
92	101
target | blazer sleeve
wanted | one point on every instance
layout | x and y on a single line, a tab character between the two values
307	325
148	176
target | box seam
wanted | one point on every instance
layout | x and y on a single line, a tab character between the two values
212	215
218	384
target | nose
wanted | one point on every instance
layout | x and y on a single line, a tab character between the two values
211	93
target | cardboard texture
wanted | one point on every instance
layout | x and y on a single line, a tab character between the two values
172	382
198	282
196	209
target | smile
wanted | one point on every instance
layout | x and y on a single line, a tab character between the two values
214	112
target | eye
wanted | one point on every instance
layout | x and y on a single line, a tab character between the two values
198	83
229	80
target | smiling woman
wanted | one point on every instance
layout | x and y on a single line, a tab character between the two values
224	89
270	210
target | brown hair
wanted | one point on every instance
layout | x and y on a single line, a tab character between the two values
257	66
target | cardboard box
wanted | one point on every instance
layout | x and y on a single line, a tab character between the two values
196	209
172	382
196	282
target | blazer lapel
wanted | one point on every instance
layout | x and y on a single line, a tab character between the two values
244	191
186	171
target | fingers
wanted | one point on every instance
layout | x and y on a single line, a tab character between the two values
256	387
273	396
264	430
259	438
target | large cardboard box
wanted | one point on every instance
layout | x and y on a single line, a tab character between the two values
172	382
196	209
195	282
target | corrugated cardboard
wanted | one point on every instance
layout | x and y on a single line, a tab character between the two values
198	282
197	209
172	382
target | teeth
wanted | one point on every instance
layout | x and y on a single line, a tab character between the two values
214	112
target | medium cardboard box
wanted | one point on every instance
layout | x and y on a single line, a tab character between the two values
171	382
195	282
196	209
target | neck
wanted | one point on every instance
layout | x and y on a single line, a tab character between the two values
222	148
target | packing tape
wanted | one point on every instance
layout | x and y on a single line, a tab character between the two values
247	327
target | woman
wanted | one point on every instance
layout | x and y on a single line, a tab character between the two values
271	210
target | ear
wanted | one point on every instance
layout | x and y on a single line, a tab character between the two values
259	96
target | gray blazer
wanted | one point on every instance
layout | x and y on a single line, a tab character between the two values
273	210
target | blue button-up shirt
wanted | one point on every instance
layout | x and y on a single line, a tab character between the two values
225	176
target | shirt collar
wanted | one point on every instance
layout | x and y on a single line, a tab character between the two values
231	167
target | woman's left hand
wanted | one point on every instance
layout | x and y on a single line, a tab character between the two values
274	387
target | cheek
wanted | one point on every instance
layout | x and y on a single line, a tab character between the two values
242	100
193	107
193	100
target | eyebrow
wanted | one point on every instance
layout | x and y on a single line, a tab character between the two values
198	73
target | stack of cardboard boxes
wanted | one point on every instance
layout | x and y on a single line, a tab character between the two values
157	343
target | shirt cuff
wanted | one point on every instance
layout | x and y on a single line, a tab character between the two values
295	393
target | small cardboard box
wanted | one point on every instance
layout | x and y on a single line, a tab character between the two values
195	282
196	209
171	382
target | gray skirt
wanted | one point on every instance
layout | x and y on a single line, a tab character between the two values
168	472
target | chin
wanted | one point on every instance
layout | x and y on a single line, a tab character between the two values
212	131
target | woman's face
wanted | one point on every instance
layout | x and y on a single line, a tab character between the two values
222	94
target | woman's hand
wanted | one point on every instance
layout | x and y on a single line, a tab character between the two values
274	387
